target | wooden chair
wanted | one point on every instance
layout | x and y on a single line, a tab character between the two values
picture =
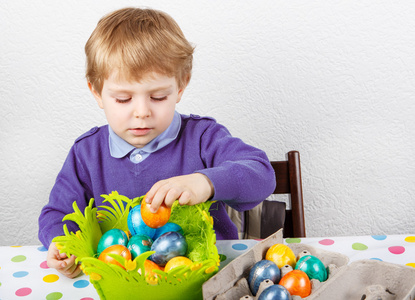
269	216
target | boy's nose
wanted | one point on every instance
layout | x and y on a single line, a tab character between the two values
142	110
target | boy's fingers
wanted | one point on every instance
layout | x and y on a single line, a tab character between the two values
153	191
185	198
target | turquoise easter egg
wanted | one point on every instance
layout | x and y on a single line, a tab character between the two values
169	226
112	237
138	244
313	267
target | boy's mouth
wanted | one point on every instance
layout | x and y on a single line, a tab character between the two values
140	131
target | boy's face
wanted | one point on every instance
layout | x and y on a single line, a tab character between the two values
139	111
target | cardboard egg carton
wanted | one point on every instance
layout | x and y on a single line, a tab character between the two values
231	282
370	280
364	279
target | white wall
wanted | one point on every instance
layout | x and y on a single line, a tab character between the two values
332	79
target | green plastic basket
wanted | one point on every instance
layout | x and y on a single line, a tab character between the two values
112	281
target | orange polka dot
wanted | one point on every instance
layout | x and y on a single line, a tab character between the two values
50	278
411	265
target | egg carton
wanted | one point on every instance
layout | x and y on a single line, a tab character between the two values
363	279
370	280
231	282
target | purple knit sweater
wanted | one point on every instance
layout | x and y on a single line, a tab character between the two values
241	174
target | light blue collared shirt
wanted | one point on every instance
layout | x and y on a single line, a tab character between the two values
120	148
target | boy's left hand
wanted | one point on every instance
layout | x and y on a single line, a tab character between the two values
188	189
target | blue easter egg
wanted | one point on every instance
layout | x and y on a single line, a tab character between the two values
138	244
262	270
170	226
275	292
112	237
167	246
313	267
136	224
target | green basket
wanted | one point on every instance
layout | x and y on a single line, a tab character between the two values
112	281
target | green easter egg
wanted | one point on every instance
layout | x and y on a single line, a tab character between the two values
112	237
313	267
139	244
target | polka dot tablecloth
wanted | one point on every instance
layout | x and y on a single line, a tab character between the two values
25	275
399	249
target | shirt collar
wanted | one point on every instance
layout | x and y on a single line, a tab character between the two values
120	148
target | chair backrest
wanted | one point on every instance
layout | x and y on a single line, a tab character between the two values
269	216
288	175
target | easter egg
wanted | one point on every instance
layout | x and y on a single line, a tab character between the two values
136	224
170	226
275	292
112	237
176	262
167	246
281	255
313	267
115	249
262	270
138	244
297	283
157	219
149	267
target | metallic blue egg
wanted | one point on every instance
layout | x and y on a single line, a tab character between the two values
167	246
170	226
275	292
136	224
262	270
112	237
138	244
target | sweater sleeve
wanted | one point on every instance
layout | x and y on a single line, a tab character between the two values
241	174
69	187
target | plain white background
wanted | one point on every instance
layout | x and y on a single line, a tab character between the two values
332	79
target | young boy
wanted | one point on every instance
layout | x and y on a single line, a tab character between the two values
138	66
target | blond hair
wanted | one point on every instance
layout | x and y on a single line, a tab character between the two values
135	42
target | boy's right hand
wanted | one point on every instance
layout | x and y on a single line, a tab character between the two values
62	263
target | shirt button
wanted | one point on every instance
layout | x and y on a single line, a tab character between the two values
138	157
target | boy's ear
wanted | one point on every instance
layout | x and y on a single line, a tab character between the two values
96	95
181	91
180	94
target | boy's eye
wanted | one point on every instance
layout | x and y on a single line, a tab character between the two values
159	98
122	100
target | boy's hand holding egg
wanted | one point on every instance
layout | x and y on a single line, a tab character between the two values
155	219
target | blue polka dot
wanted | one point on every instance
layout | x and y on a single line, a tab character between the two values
20	274
239	247
375	258
42	249
81	284
379	237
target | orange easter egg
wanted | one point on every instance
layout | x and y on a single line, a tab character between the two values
157	219
281	255
297	283
115	249
177	261
150	266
